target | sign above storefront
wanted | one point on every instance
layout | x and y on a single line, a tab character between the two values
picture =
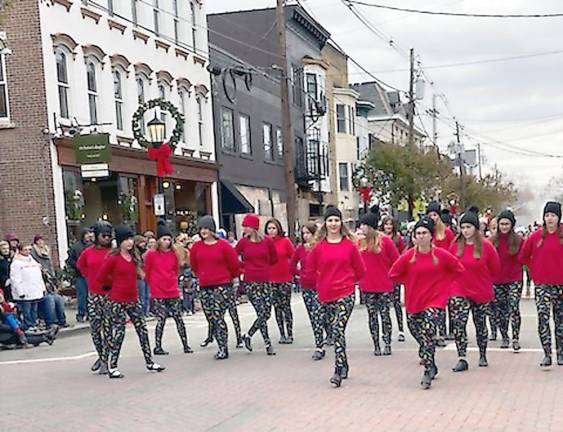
92	149
94	170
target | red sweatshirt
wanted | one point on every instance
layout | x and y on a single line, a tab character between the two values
446	242
399	244
279	272
338	266
257	258
546	261
307	278
215	264
121	275
377	277
161	273
476	283
510	265
426	284
89	264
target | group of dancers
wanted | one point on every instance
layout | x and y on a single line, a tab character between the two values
441	272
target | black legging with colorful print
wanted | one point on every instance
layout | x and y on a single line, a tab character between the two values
215	301
396	298
459	310
231	299
259	295
100	324
377	304
164	308
339	312
507	308
119	313
317	316
550	297
281	300
424	328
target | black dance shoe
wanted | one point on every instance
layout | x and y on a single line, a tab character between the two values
461	366
546	362
483	361
160	351
387	350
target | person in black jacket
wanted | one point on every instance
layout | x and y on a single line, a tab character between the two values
5	261
80	283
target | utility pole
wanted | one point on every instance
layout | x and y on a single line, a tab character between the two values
461	167
411	99
288	157
434	117
479	160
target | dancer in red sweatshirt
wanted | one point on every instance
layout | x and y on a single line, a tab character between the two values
119	275
89	264
258	254
280	280
543	254
390	229
426	271
508	282
379	253
215	263
162	266
307	280
473	290
339	266
443	238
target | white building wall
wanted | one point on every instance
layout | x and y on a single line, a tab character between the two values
56	19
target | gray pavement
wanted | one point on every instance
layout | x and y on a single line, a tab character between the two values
51	388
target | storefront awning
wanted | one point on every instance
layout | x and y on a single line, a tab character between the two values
232	201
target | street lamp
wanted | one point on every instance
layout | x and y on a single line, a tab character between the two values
156	129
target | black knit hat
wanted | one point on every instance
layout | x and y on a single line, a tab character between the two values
470	218
162	230
425	222
433	206
507	214
474	209
446	216
207	222
332	211
102	227
123	232
553	207
370	219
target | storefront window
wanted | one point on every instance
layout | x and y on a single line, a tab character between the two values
192	202
89	200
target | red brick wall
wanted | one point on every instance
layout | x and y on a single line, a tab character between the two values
26	191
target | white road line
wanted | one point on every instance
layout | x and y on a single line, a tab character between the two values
50	359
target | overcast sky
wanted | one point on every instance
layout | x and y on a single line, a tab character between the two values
518	102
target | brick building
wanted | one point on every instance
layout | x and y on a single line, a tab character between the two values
84	67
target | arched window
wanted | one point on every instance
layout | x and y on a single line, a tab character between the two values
118	95
162	95
183	99
92	91
63	84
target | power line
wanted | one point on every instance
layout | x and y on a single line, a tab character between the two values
456	14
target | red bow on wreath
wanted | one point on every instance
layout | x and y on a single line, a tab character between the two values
162	157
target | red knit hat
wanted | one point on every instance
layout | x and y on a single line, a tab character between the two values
251	221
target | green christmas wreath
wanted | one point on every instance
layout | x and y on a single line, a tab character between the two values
138	119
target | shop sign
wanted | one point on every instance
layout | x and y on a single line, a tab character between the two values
94	170
159	209
92	149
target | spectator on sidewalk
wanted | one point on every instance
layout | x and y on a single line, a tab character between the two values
14	242
51	308
140	243
80	282
27	284
5	261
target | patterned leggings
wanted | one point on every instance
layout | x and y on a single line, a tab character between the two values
119	313
169	307
339	312
396	298
459	310
317	315
424	328
260	297
100	324
378	304
231	299
214	301
507	305
550	296
281	300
